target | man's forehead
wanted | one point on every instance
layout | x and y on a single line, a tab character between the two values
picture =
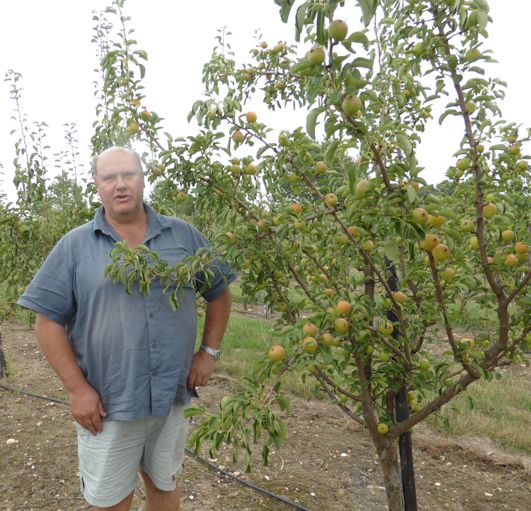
117	159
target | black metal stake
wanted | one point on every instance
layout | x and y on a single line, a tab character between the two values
405	449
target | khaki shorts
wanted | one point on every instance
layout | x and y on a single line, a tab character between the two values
109	462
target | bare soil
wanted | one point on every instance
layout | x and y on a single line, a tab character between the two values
327	462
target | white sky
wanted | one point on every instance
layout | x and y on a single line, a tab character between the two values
48	42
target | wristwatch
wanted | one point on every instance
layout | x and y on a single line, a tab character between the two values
211	351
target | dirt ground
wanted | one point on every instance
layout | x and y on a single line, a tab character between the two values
327	462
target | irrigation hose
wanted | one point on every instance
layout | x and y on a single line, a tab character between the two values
209	464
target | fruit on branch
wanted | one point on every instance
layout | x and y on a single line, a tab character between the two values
327	339
329	292
353	231
361	187
250	169
521	165
309	344
419	215
436	220
343	307
236	169
510	260
515	149
251	117
368	246
316	56
133	128
386	328
342	239
330	200
472	55
296	208
418	49
448	274
424	364
341	325
382	428
309	329
489	210
474	243
441	253
181	196
261	224
238	136
146	115
277	353
520	248
384	356
320	167
430	241
463	164
338	30
400	297
466	225
468	342
351	104
470	107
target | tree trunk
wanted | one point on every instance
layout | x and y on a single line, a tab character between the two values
391	476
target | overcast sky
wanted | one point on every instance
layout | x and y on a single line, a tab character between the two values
48	42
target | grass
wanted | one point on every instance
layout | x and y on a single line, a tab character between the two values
501	408
496	409
248	339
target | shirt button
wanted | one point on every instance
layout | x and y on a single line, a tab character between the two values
153	372
152	344
151	315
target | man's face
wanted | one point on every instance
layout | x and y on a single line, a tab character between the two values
120	183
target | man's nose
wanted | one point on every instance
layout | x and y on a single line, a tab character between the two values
120	182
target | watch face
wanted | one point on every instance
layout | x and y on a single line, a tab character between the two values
211	351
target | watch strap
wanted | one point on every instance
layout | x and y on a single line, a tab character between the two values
211	351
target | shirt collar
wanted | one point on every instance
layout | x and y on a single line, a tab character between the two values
156	223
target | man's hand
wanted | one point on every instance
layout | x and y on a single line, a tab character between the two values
87	408
202	367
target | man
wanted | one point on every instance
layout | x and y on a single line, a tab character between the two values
126	361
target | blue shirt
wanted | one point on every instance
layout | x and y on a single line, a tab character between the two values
135	350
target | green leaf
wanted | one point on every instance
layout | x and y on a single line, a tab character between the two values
142	54
284	403
358	37
300	18
331	152
311	120
404	143
411	194
362	62
285	8
447	113
391	250
368	9
193	410
321	32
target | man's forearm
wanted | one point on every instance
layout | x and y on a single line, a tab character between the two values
216	319
56	348
85	402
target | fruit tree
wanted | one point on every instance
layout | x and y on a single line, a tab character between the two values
363	262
